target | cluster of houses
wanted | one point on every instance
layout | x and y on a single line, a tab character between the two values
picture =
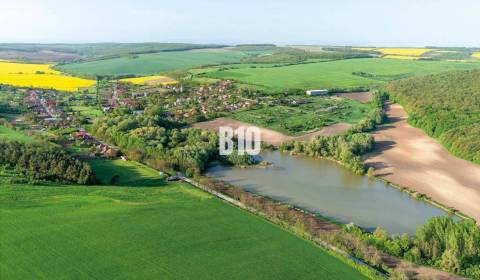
43	104
218	97
101	148
115	98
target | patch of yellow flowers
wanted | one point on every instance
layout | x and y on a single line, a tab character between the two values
399	53
401	57
39	76
153	80
476	55
404	51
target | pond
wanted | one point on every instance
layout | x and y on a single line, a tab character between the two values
329	189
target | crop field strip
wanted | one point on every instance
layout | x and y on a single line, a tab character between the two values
152	80
349	73
151	64
39	76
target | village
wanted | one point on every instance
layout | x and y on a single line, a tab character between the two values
43	105
53	110
179	102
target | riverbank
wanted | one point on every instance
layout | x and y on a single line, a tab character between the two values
405	156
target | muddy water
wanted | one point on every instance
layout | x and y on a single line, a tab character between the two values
329	189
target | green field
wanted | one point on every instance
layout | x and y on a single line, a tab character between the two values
87	111
129	173
296	120
172	231
339	73
147	64
12	134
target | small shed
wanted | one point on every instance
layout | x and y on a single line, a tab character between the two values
315	92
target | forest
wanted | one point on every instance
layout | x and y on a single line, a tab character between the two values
43	161
446	106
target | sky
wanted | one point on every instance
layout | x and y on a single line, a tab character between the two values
325	22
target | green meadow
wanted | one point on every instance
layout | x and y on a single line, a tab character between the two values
346	73
87	111
296	120
150	230
147	64
13	135
129	173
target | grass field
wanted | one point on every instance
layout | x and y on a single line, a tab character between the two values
297	120
338	74
158	232
130	173
39	76
11	134
148	64
87	111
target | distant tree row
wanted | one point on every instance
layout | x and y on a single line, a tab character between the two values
43	161
294	55
446	106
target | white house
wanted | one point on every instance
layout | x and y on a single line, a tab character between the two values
315	92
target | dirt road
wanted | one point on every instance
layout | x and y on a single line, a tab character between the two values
271	136
408	157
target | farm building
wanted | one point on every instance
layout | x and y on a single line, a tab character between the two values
315	92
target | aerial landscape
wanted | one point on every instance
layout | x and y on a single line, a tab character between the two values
112	140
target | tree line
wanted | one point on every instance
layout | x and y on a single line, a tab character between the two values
44	161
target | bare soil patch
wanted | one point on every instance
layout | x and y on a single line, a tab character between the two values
271	136
406	156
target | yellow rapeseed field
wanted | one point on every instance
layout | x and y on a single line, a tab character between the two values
476	55
153	80
39	76
401	57
363	49
25	68
404	51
